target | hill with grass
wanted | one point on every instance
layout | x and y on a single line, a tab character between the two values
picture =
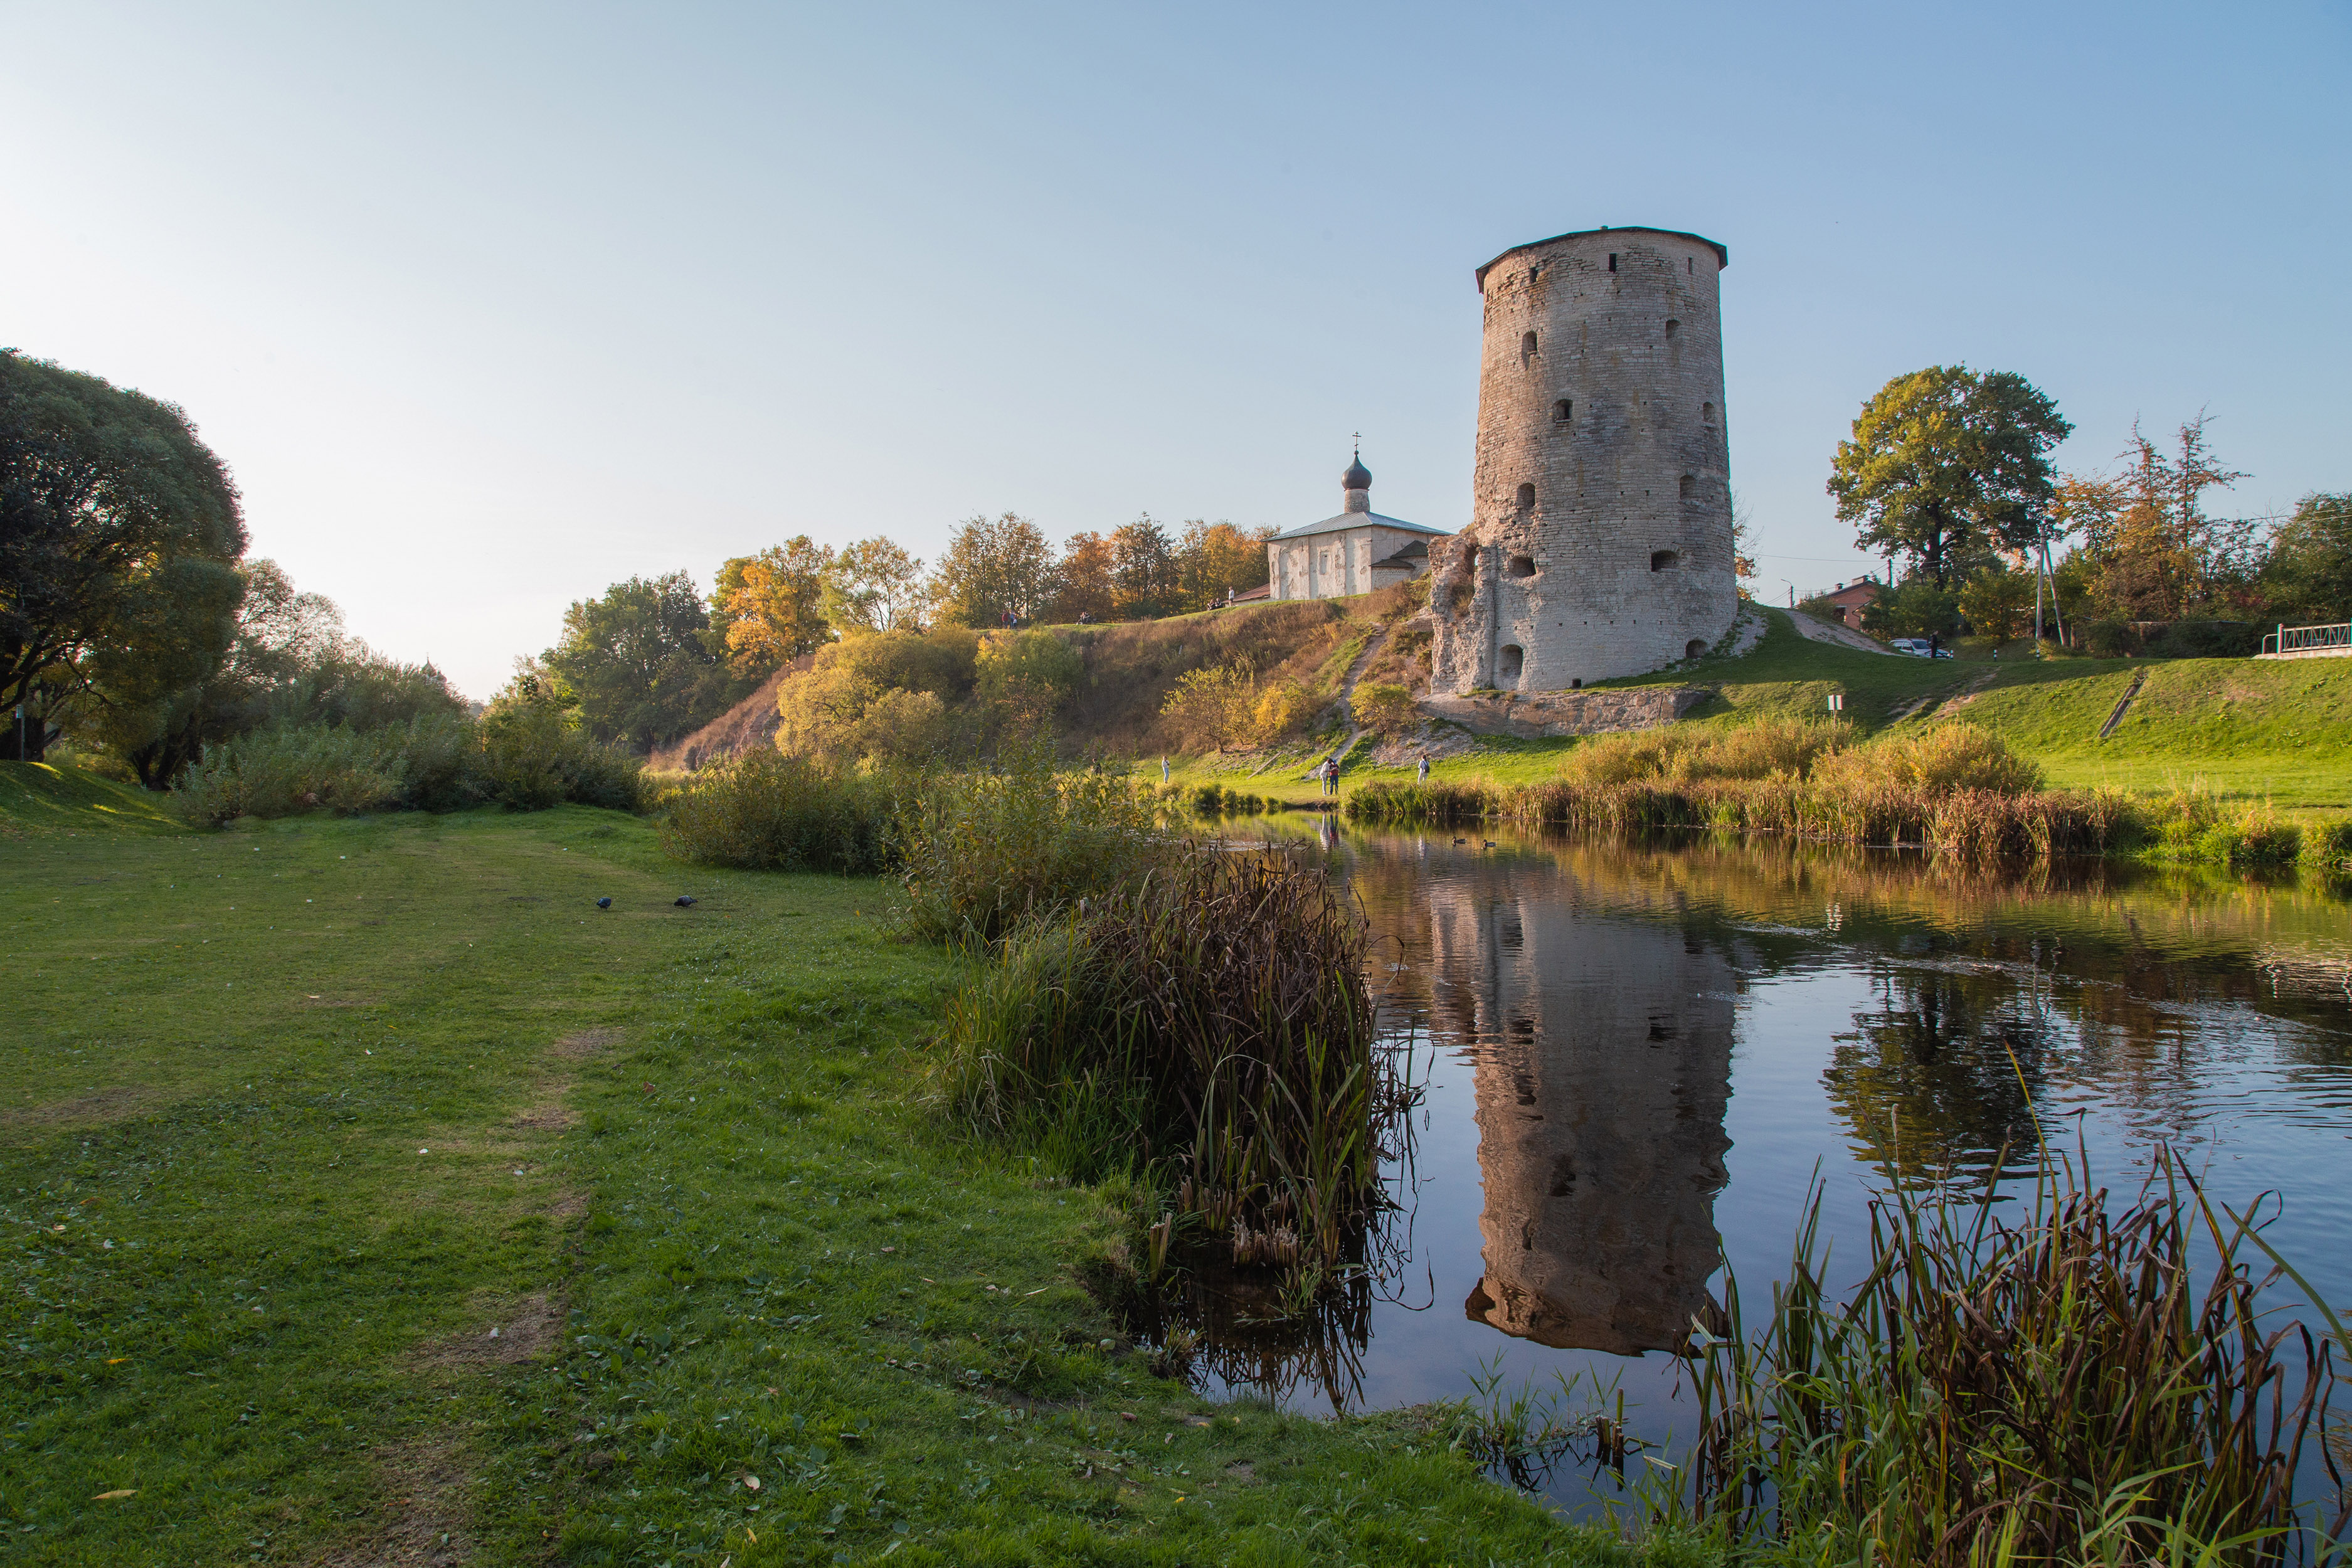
43	799
1128	668
2241	728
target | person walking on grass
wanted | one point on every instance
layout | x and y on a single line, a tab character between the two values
1163	770
1424	769
1331	775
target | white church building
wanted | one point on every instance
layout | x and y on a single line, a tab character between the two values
1353	553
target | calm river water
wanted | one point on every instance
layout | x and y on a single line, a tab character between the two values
1637	1061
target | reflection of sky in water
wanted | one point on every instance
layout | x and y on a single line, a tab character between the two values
1634	1041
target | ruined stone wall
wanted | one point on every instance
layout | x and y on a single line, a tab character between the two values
1601	540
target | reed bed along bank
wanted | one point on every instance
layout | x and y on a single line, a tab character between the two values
1953	789
2063	1383
1208	1030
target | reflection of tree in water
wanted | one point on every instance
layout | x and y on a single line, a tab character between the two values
1937	1076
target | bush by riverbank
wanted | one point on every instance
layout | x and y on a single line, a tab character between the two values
1953	788
1208	1029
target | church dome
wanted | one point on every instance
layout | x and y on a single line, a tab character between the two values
1357	477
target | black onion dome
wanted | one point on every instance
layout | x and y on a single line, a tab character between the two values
1357	477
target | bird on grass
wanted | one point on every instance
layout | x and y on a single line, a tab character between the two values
604	903
685	900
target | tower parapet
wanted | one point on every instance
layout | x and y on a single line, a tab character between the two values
1601	539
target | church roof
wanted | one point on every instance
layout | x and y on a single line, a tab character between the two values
1347	520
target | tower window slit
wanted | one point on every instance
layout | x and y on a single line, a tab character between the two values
1612	262
1527	495
1673	327
1689	484
1663	560
1527	344
1707	412
1563	411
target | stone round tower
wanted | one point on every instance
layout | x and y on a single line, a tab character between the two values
1599	543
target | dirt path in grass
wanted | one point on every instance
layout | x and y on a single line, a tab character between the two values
1347	687
424	1518
1836	636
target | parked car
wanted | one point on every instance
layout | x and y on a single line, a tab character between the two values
1919	647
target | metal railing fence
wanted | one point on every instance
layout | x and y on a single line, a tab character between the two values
2308	639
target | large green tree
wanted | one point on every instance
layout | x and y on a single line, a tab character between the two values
1947	462
994	566
118	534
2307	576
637	664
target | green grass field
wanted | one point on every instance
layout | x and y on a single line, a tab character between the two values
2244	728
295	1117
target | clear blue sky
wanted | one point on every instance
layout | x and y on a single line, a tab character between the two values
491	305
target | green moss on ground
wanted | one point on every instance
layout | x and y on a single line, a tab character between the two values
295	1116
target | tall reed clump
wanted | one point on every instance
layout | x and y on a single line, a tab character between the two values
766	811
1436	803
984	849
1208	1027
437	761
2064	1385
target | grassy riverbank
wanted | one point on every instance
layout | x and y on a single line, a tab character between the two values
296	1116
2241	731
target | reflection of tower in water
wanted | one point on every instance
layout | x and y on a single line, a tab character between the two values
1603	1072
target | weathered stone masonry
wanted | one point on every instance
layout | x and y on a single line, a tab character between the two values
1600	543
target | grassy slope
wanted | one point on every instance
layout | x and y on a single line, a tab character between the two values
38	798
2241	728
239	1283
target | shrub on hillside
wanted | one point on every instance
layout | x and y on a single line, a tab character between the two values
765	811
1283	710
1384	708
985	850
2112	639
1025	675
830	709
2205	639
1213	709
